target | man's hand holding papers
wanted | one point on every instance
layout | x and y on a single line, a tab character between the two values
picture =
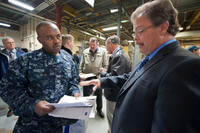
74	108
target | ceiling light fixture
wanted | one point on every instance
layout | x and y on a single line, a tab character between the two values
90	2
114	10
87	33
103	38
124	21
180	28
111	28
21	4
4	24
131	41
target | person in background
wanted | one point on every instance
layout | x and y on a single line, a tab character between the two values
37	79
77	58
3	64
93	59
10	49
25	50
11	52
67	45
119	63
194	49
161	94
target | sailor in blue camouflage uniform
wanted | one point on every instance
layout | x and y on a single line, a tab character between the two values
38	78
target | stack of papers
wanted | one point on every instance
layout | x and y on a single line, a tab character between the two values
74	108
88	76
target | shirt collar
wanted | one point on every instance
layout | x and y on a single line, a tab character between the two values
12	51
158	49
68	50
115	51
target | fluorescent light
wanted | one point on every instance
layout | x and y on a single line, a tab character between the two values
103	38
87	33
96	31
113	10
21	4
111	28
90	2
6	25
124	21
180	28
130	41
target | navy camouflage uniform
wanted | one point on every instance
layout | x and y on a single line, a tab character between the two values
34	77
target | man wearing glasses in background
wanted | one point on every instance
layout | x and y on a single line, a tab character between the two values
162	93
11	52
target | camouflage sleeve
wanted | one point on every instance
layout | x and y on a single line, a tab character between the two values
73	85
14	90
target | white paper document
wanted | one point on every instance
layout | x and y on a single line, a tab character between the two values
74	108
88	75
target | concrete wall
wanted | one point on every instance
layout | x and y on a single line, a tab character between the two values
29	36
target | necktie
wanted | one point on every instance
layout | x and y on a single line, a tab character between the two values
143	62
11	56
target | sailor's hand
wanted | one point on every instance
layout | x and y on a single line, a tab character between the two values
41	108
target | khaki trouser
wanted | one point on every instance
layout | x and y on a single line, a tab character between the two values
110	107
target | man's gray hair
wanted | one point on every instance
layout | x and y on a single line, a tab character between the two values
114	39
93	39
159	11
5	38
66	37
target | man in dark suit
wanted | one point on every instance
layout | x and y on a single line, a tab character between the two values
119	63
7	55
10	49
162	94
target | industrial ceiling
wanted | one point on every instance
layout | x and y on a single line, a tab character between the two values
78	14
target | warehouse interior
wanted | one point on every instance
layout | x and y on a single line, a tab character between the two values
86	18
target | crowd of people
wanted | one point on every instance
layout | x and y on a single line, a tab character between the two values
160	95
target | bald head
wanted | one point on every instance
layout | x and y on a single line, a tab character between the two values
44	24
49	36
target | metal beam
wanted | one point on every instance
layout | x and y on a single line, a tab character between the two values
97	10
25	12
119	18
194	19
69	10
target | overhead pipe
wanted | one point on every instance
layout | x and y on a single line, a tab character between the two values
119	18
58	16
25	12
195	18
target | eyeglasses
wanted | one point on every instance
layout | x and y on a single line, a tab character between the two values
140	31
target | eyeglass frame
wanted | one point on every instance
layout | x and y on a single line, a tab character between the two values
140	31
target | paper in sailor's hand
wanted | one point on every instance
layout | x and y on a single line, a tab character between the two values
74	108
88	76
85	83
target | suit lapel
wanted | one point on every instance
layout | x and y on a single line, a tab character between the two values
156	59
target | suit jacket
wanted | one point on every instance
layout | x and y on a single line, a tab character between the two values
3	64
4	61
119	63
163	97
19	52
